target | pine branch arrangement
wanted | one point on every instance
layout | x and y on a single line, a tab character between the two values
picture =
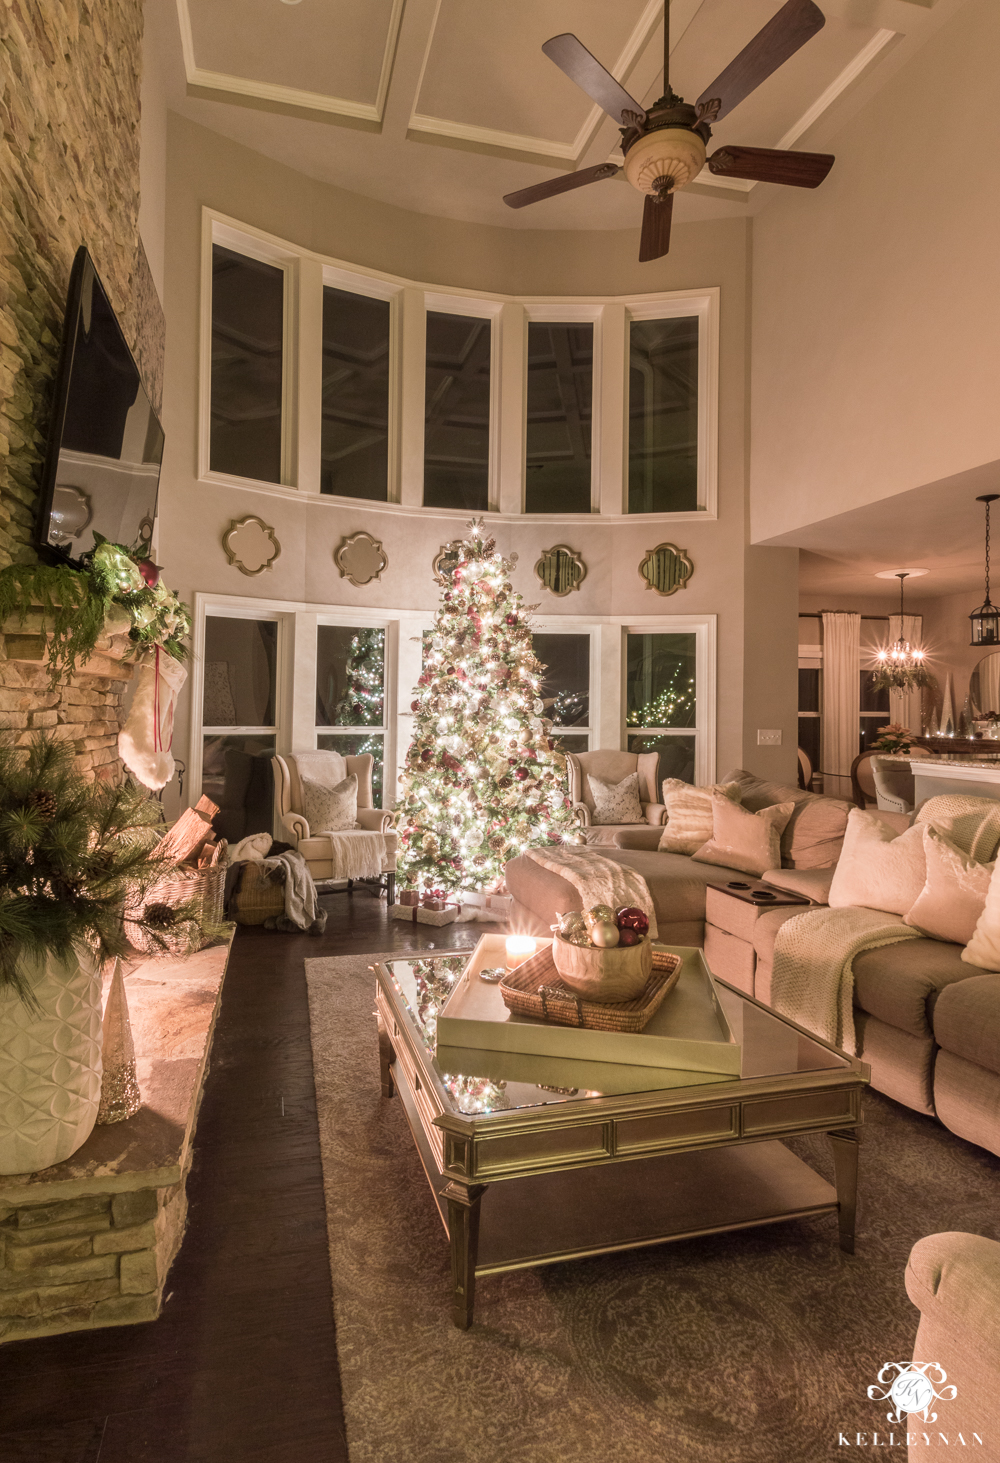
73	856
483	779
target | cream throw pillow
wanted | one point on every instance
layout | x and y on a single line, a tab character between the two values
953	898
750	842
330	809
984	947
879	868
689	813
616	802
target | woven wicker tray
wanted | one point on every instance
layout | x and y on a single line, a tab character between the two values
535	989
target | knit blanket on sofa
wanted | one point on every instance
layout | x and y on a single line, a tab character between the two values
596	879
812	979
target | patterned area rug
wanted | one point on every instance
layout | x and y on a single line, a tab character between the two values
750	1347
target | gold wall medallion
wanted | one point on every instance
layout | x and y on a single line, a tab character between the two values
361	558
250	545
444	561
560	570
666	569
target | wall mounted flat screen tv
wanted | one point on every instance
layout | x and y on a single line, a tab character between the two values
102	465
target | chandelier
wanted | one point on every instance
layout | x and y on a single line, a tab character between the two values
900	668
986	620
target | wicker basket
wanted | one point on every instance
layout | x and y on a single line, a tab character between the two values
536	989
206	886
257	898
606	976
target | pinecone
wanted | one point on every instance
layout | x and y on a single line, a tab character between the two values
43	803
159	916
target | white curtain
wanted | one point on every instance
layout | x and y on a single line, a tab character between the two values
841	707
904	706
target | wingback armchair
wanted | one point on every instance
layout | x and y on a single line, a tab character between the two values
611	766
315	848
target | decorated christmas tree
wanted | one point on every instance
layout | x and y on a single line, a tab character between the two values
483	779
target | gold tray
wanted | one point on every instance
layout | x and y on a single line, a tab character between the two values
536	989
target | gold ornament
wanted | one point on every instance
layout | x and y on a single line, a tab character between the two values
604	934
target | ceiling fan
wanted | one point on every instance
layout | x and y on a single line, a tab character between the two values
665	147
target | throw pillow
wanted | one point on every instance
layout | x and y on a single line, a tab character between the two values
953	898
813	834
689	813
971	823
749	842
879	867
984	947
616	802
330	809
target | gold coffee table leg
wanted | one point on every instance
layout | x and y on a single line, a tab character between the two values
845	1162
386	1056
463	1228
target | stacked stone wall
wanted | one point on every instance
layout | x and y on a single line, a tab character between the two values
97	1260
69	175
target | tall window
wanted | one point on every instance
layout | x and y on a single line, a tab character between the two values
457	412
350	694
565	690
247	341
355	441
661	701
874	712
560	395
239	722
663	415
809	715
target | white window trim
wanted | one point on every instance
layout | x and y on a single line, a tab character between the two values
216	230
705	630
242	608
305	269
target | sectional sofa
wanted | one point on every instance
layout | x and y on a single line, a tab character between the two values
927	1022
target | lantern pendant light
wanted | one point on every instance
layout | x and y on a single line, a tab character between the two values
986	620
900	668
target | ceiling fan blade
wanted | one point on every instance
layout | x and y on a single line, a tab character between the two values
562	184
795	23
572	57
656	216
772	165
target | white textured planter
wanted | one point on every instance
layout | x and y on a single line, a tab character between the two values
50	1065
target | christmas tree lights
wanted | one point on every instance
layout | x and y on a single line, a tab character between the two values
483	779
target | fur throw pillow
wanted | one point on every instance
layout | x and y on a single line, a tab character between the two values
689	813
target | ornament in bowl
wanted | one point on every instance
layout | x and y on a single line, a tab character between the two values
603	954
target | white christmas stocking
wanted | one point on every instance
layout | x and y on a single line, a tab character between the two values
144	741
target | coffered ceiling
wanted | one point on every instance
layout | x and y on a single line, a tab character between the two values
445	105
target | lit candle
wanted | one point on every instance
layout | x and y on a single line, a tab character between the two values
519	949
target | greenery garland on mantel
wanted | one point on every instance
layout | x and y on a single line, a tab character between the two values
77	603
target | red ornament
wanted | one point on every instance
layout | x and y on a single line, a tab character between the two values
510	620
414	705
521	774
425	755
630	918
150	572
628	937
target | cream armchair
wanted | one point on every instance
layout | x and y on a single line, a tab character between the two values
316	851
611	766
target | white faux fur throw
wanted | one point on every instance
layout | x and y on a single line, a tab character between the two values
812	980
598	880
355	854
144	741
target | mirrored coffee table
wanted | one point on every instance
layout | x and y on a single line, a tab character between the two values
534	1160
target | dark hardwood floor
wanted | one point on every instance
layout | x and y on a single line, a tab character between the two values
241	1367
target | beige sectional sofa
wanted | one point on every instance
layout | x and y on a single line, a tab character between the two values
927	1022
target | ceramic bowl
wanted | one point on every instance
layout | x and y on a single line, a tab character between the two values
613	975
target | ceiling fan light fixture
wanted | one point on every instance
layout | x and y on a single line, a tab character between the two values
669	152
